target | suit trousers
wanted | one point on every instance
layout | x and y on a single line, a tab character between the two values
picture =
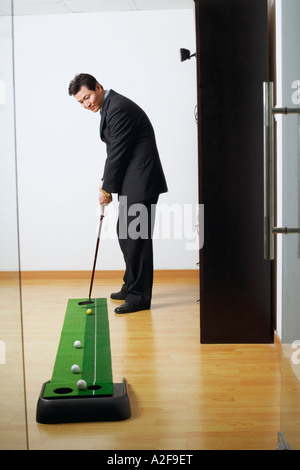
135	230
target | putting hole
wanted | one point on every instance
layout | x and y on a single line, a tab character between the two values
94	387
63	390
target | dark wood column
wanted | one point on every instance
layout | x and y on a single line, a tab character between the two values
232	64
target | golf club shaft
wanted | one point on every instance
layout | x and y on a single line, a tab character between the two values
96	251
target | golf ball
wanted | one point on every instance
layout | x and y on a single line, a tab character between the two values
81	384
77	344
75	369
89	311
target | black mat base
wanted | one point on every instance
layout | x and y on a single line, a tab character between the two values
114	407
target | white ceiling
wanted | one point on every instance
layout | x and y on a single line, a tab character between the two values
47	7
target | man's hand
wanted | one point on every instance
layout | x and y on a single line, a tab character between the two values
104	198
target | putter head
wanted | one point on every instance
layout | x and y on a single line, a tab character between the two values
86	302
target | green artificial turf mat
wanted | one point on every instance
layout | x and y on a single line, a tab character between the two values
94	358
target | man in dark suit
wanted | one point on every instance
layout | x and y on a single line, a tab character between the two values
133	171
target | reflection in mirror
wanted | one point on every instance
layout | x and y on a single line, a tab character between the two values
13	428
288	262
290	397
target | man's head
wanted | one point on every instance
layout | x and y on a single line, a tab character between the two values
88	92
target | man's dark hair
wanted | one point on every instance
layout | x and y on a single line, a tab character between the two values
82	79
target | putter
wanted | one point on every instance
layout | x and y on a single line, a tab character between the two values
88	302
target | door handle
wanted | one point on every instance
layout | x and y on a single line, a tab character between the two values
268	171
268	121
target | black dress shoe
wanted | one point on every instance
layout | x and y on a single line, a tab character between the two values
118	295
128	308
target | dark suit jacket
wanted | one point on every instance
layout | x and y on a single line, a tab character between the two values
132	167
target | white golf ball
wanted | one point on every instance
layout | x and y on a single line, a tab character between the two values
75	369
81	384
77	344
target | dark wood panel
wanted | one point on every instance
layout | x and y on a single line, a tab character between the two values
232	64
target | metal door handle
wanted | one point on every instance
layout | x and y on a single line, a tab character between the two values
269	229
286	230
268	171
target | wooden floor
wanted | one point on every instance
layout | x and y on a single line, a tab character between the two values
184	395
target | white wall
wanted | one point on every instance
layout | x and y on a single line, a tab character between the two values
59	152
9	256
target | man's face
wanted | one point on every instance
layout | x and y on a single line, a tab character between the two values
90	99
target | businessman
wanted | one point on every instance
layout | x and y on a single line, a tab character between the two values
134	172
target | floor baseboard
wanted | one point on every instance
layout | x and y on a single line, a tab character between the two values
159	274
